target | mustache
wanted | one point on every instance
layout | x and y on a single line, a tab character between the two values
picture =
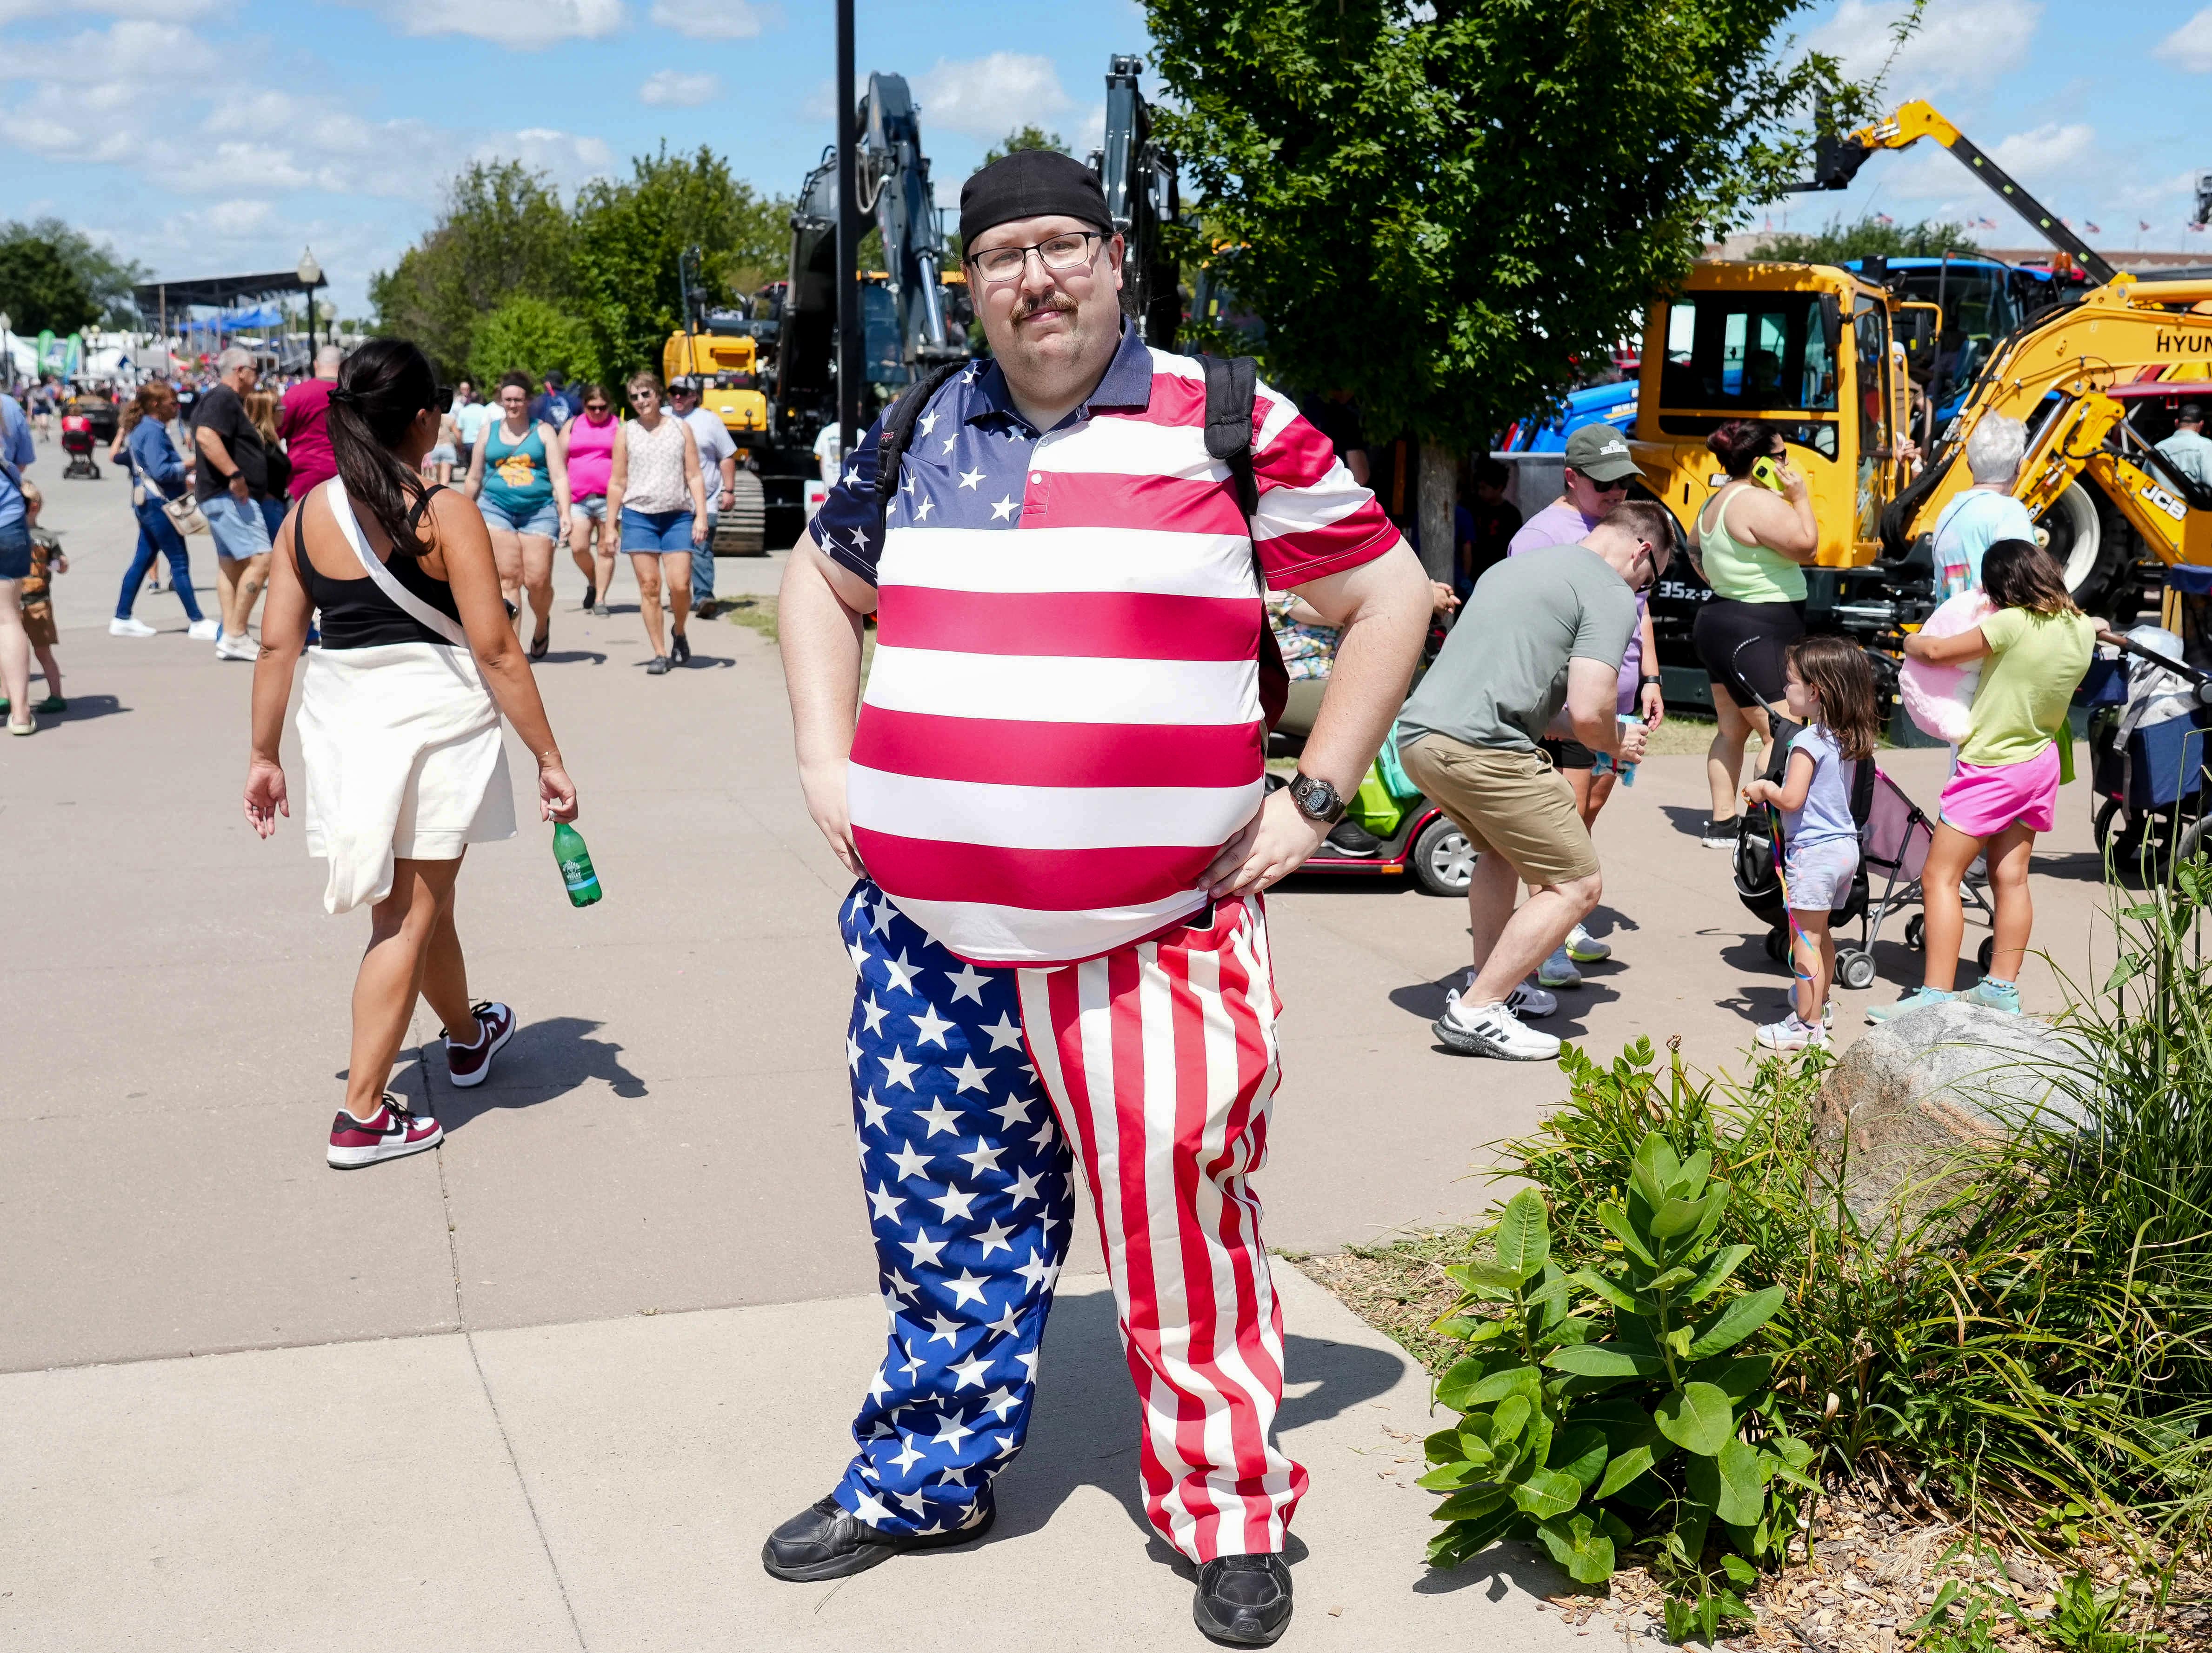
1026	307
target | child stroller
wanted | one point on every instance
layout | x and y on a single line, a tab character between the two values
76	442
2150	734
1893	839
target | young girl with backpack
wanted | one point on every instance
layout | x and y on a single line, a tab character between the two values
2005	788
1829	688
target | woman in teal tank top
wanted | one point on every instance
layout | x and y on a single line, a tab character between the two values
1751	543
519	474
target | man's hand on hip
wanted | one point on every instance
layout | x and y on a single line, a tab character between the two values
239	490
1273	844
824	788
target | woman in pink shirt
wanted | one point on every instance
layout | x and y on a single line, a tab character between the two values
592	438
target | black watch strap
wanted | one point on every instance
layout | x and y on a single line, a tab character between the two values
1317	800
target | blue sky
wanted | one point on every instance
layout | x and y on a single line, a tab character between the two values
203	136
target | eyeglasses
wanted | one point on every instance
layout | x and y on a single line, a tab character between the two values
595	407
1056	253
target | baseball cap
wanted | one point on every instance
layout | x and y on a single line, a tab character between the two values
1600	452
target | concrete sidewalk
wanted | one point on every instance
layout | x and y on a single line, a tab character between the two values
605	1485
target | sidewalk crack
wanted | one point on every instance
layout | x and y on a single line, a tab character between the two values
506	1442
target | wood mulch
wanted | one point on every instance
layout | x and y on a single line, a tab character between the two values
1874	1570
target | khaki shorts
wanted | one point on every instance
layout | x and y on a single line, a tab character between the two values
1514	803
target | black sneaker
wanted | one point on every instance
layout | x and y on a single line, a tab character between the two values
657	666
1719	834
827	1540
600	611
679	649
1243	1599
1350	838
590	595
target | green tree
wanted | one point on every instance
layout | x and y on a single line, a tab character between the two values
1869	237
503	235
1028	136
630	232
50	277
530	335
1443	210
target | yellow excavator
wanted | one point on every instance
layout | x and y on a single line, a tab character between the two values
1819	351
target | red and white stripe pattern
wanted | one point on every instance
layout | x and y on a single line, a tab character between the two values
1160	1060
1062	724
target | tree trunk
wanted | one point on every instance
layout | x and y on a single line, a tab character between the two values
1439	495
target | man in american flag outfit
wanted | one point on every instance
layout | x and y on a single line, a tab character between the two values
1051	794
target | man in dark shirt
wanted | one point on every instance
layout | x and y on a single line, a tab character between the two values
1486	526
233	469
553	407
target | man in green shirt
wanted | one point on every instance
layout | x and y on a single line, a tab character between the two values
2188	450
1542	655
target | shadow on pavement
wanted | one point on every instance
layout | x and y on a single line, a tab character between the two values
1685	819
544	1060
1084	1433
570	656
1426	1000
84	708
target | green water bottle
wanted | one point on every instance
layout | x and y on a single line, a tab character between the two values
575	863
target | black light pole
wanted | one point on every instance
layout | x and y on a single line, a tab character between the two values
850	370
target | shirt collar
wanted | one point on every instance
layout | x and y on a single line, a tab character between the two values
1126	383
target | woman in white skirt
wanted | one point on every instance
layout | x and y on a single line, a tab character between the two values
400	726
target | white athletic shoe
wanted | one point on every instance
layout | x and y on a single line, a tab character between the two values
1791	1033
1559	970
237	648
1526	1000
1493	1030
204	631
129	625
1586	949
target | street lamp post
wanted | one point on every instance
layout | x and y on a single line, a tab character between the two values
311	276
7	354
851	358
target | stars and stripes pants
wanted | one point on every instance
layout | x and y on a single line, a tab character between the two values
977	1093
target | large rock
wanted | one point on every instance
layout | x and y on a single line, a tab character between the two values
1895	1111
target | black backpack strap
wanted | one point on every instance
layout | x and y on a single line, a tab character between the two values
1230	382
898	426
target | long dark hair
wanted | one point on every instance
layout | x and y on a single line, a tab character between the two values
381	389
1740	444
2019	573
1835	669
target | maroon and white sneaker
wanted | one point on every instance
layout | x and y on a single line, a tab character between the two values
471	1064
392	1133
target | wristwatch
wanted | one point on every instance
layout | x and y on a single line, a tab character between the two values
1647	681
1316	798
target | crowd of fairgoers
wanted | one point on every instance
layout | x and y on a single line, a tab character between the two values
225	455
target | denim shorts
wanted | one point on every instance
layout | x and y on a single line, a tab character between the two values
15	549
664	532
1820	874
543	518
593	506
240	530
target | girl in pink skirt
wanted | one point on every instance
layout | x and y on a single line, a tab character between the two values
2037	647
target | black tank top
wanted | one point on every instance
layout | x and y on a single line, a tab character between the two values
355	614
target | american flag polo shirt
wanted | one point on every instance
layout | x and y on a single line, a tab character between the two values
1061	726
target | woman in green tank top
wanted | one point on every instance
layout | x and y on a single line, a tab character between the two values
518	473
1753	540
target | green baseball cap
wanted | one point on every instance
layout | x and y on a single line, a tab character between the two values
1600	452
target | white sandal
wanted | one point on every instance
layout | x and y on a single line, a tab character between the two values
30	728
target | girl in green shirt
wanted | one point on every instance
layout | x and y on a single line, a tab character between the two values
2005	788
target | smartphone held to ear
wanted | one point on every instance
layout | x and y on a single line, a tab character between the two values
1767	473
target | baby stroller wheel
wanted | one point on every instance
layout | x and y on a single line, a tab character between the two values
1855	969
1985	952
1916	933
1777	946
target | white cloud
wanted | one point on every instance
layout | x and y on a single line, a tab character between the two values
714	20
672	89
524	25
2191	45
1963	43
2048	153
160	10
570	158
991	97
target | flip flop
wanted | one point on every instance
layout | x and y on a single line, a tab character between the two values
540	643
